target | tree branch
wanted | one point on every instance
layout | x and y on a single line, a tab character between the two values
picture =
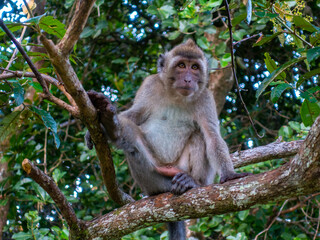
89	117
72	109
293	179
48	184
26	57
260	154
79	20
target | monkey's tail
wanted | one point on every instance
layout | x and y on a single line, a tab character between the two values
177	230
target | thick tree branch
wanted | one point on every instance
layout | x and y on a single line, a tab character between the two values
79	20
89	117
260	154
48	184
298	177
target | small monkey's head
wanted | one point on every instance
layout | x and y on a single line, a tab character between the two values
184	70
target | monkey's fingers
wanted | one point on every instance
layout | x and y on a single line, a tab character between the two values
234	176
100	101
168	171
181	183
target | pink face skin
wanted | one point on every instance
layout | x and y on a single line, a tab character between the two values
187	78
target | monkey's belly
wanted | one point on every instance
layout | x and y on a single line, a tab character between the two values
167	138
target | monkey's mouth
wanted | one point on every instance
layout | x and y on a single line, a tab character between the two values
185	91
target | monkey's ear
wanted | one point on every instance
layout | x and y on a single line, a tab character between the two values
160	64
190	42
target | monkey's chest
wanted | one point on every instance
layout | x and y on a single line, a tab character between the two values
167	132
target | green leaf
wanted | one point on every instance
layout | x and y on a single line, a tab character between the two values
226	59
133	59
272	66
211	4
3	57
87	32
35	20
238	19
119	61
312	94
315	38
238	35
57	175
243	214
3	202
152	10
173	35
36	86
295	126
18	93
166	11
203	43
49	122
41	193
309	111
307	75
52	26
12	27
278	90
22	236
285	131
9	124
68	3
304	24
274	75
266	39
313	54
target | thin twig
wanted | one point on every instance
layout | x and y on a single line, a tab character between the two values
316	233
234	70
26	57
28	9
248	38
48	184
267	229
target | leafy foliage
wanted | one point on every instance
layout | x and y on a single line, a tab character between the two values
117	50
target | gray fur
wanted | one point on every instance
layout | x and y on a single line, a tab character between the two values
166	127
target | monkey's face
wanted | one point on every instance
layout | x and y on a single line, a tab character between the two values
187	76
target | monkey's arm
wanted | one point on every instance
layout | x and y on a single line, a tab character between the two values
216	147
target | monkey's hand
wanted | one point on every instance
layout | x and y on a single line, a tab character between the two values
107	113
232	176
182	182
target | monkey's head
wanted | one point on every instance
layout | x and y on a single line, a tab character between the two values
184	70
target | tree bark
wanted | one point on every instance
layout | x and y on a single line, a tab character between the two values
298	177
221	81
3	209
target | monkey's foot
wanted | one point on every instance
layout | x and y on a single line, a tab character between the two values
181	183
232	176
107	112
88	140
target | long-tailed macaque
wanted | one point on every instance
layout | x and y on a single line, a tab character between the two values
171	134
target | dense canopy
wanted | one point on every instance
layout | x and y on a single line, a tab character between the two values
111	46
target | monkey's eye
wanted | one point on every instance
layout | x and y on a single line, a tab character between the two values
195	67
181	65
